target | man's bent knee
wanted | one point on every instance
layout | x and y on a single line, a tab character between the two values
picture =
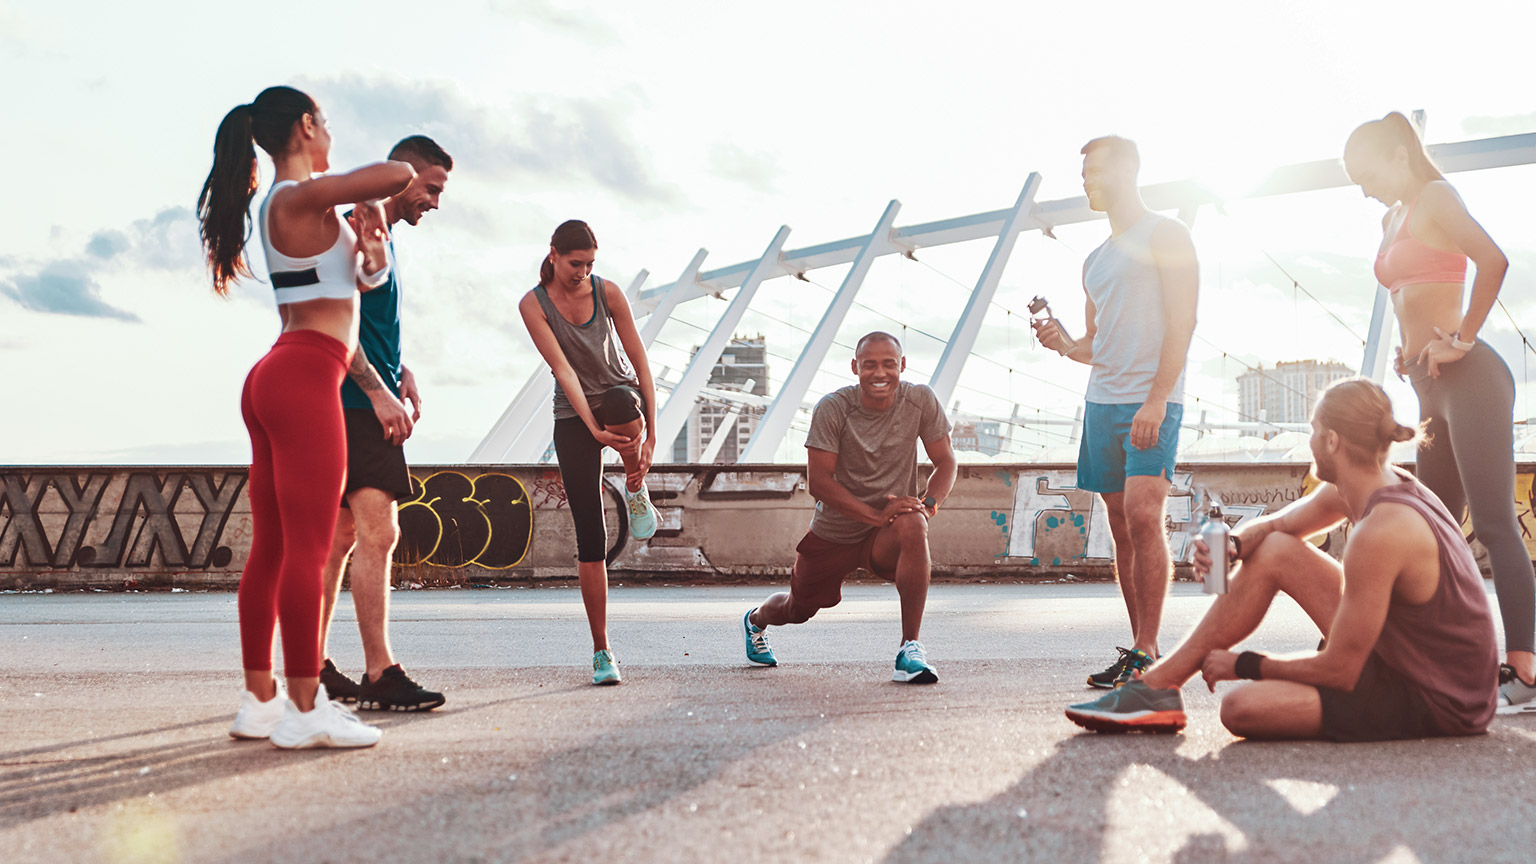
911	528
802	610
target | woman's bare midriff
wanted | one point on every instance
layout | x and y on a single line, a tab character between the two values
337	319
1423	307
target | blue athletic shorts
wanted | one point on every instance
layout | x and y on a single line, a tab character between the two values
1106	456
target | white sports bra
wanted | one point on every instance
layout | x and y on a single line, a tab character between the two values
331	274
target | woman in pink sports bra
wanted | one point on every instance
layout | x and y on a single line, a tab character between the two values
1466	392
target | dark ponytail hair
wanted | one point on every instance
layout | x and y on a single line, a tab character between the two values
1392	131
572	236
224	205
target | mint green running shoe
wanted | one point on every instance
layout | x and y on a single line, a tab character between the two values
605	669
642	516
912	665
757	641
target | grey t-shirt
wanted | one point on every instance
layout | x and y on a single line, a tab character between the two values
876	450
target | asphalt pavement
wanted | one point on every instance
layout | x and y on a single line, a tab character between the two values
113	711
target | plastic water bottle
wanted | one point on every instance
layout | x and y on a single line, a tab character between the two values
1214	532
1038	306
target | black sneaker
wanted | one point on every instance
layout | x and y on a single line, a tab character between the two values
395	691
338	686
1130	663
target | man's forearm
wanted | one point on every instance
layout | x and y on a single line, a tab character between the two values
364	375
833	494
1170	365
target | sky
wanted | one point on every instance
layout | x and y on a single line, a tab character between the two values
671	126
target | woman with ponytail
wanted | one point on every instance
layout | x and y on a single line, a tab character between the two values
605	398
1466	392
291	402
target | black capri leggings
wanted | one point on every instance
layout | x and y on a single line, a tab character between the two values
581	468
1469	461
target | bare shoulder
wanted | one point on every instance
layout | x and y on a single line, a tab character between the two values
530	302
1393	532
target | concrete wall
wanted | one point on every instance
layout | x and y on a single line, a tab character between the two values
115	527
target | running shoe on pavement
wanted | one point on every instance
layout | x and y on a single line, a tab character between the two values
257	719
912	665
757	641
330	724
341	688
1112	676
642	516
1131	707
1515	696
395	691
605	669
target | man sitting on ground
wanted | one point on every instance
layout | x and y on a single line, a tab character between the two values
1409	647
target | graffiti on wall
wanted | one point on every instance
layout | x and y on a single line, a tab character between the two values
454	520
1055	523
117	520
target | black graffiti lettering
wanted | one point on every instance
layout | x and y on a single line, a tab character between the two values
81	502
158	530
22	496
217	503
454	521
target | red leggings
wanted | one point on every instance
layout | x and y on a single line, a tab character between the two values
292	407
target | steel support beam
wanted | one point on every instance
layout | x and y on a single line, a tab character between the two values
947	374
775	423
1374	364
668	301
675	412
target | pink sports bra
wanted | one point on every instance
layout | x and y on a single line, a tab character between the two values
1407	260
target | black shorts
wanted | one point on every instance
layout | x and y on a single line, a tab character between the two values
1384	706
373	462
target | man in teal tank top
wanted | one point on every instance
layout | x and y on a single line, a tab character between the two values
1141	285
374	395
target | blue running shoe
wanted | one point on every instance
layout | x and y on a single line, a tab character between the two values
912	665
642	516
757	641
1131	707
605	669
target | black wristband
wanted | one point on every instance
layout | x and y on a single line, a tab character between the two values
1247	666
1237	547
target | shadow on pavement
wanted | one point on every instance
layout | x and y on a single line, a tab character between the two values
1134	797
36	788
503	809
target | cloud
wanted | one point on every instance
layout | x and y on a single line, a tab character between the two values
756	170
589	28
62	288
552	139
1504	124
166	241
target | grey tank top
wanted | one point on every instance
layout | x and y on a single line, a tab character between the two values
1122	281
592	349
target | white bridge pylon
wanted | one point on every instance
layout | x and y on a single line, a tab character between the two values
523	433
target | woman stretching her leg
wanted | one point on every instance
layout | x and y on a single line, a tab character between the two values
1465	390
605	398
292	402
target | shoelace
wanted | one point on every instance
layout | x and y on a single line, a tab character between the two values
759	638
637	504
1506	674
915	652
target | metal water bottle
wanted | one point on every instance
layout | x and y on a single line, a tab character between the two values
1214	532
1039	305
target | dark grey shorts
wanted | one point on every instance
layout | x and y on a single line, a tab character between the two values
1384	706
373	462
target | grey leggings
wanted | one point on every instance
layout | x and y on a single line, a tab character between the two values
1469	461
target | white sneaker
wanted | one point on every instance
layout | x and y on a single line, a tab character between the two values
330	724
257	719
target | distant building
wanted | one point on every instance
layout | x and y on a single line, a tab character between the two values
976	434
1288	392
743	360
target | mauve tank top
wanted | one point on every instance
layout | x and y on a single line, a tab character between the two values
1445	647
592	349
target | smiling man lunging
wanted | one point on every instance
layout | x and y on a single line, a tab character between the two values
862	468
